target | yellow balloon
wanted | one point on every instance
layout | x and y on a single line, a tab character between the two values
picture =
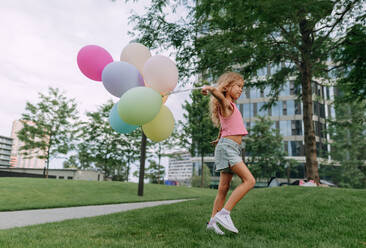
161	127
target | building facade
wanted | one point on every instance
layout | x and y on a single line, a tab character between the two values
5	151
63	174
180	168
17	159
287	117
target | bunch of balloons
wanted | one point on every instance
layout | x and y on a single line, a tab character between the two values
141	81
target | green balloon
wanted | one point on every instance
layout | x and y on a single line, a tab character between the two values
161	127
139	105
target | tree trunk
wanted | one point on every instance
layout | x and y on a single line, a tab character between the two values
142	165
307	99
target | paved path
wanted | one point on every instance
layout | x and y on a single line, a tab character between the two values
12	219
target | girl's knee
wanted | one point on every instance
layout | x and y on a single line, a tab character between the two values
223	189
251	182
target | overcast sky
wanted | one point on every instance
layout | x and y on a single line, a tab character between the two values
39	43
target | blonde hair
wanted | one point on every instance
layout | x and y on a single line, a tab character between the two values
224	81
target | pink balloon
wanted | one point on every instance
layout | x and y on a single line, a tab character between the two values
160	73
91	61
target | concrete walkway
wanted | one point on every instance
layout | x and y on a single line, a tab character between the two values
12	219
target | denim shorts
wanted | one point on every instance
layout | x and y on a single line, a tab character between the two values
227	154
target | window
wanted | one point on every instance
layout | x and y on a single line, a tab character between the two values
297	107
296	127
261	112
254	109
290	107
262	93
285	146
284	128
322	110
297	148
315	124
246	110
315	108
267	90
254	93
284	108
285	89
276	108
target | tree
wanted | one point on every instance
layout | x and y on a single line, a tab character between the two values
264	148
351	65
348	146
155	172
165	147
297	37
104	148
48	126
198	129
71	162
197	180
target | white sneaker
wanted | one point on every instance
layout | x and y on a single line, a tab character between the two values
215	228
226	222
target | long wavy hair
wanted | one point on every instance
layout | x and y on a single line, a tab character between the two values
224	81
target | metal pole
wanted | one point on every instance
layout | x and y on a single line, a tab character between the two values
142	165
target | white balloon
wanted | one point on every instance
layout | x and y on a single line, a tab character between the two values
160	73
136	54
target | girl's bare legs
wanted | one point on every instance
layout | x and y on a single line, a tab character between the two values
225	179
240	191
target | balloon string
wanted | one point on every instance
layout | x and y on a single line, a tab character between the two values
180	91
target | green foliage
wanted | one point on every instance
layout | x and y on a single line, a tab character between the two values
196	180
348	146
104	148
198	131
71	162
49	126
297	37
235	182
265	150
155	172
351	65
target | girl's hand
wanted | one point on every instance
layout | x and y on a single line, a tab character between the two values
206	89
214	143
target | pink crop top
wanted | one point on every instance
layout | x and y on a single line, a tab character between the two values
233	124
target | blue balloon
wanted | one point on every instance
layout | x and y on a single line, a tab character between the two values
119	76
117	123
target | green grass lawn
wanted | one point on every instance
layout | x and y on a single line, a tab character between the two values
30	193
277	217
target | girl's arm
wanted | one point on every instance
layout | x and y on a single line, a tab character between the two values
214	143
225	106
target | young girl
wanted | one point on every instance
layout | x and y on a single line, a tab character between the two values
228	160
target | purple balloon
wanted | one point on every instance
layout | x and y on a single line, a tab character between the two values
91	61
119	76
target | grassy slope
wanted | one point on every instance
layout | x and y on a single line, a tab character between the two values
27	193
277	217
